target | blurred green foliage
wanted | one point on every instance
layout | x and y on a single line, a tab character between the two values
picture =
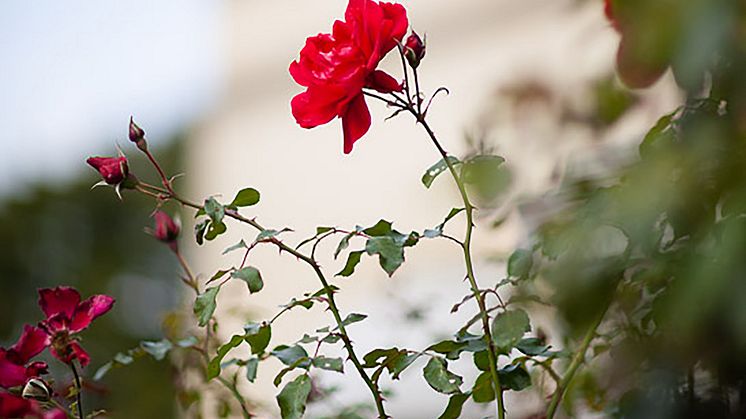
661	242
72	235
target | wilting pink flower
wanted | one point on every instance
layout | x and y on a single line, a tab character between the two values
113	170
336	67
67	316
414	49
166	230
14	367
12	406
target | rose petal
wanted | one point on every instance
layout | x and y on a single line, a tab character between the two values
72	352
384	83
15	407
316	106
11	374
59	300
355	122
31	343
88	310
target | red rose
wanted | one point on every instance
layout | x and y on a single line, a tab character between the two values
166	230
113	170
67	316
336	67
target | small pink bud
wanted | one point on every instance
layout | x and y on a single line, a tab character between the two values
137	135
113	170
414	49
166	230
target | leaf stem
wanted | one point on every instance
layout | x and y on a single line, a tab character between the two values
575	364
78	388
378	398
415	110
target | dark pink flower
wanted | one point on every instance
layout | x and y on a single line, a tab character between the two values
113	170
14	370
67	316
166	230
336	67
12	406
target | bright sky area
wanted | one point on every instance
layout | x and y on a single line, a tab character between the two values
73	72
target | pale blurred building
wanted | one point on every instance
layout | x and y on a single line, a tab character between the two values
476	48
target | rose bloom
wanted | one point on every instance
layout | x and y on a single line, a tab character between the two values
336	67
67	316
113	170
12	406
13	361
166	230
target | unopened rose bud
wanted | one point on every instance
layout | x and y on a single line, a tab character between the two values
414	49
137	135
166	229
37	389
113	170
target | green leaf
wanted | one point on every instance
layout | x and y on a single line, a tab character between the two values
322	230
158	349
239	245
269	233
204	305
288	355
514	377
214	210
352	260
292	399
482	360
218	275
390	253
437	169
251	276
353	318
382	228
213	368
519	263
258	335
343	244
245	198
199	231
399	363
532	346
440	379
252	365
508	329
372	357
483	390
331	364
659	136
451	349
455	405
214	230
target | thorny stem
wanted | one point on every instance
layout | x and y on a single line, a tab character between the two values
415	110
78	389
466	246
171	194
192	281
575	364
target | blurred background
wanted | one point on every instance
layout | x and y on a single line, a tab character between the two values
532	81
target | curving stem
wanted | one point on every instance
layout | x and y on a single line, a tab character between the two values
78	389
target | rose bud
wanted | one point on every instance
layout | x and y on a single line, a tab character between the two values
414	49
113	170
37	389
137	135
166	229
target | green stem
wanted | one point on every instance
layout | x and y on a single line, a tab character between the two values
575	364
232	387
466	246
329	294
78	388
